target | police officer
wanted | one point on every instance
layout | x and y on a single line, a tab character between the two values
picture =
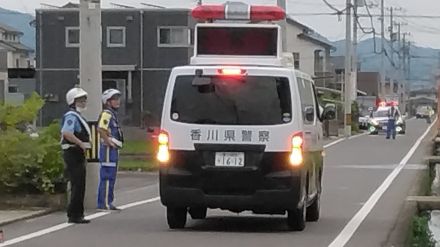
74	142
111	141
393	114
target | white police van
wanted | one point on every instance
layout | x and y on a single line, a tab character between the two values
241	128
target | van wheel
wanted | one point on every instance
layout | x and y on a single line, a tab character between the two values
296	218
176	217
198	213
314	209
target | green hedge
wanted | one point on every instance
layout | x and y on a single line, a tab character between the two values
29	164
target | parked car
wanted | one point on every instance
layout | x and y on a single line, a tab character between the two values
425	112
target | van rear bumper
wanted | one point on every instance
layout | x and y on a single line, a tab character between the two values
275	193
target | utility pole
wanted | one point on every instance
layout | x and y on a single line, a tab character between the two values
356	5
399	72
354	55
348	69
408	67
399	44
438	93
90	74
382	52
404	57
392	39
282	4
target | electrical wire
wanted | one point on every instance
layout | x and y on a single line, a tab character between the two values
333	7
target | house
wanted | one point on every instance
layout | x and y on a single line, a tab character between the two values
310	50
139	49
14	56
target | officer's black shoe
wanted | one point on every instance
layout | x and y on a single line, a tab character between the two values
79	221
113	208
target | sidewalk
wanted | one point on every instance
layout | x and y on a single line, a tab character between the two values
11	216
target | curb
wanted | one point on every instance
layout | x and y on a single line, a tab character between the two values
398	236
30	216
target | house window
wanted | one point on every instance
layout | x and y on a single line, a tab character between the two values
17	63
116	36
12	89
173	36
296	60
72	36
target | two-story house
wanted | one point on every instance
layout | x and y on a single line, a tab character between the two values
14	56
311	51
139	49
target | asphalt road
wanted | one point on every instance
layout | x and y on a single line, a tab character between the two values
366	181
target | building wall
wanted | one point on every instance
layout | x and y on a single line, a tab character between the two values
3	86
305	48
368	82
57	65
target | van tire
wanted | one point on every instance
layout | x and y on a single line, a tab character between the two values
296	218
198	213
176	217
313	211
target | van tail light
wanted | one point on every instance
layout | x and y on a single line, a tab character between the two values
231	72
296	155
163	153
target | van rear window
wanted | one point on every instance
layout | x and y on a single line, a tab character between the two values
247	100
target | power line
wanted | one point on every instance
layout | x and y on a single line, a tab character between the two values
371	17
340	12
407	16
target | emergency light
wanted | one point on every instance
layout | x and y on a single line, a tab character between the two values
238	11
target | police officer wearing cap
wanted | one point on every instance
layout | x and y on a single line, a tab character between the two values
75	141
111	141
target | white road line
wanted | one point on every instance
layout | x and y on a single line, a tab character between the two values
349	230
343	139
378	167
356	136
66	225
334	143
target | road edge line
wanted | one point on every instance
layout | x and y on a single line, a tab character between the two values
66	225
350	228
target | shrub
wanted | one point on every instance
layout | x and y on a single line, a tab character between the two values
28	164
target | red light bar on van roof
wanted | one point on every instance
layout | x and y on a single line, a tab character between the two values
238	11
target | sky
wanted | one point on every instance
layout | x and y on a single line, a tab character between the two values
423	31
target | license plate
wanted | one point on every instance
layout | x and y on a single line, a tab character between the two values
229	159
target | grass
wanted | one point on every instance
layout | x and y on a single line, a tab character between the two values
140	158
137	165
420	235
137	147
